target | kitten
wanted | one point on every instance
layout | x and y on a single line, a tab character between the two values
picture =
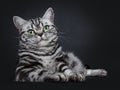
41	57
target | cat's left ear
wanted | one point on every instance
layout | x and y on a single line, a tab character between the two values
49	14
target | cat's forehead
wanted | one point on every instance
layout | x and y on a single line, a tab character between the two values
46	21
41	22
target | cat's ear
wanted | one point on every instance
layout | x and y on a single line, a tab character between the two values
18	21
49	14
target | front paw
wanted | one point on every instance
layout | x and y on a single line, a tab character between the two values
73	76
51	78
57	77
80	77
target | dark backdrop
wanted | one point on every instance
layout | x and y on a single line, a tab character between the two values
91	30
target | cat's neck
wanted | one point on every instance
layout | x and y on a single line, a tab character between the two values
40	50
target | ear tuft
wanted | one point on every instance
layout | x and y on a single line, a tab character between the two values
18	21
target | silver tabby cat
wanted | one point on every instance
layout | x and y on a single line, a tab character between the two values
41	58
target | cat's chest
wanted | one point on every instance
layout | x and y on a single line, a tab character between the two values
48	64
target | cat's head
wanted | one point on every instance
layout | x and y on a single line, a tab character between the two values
37	32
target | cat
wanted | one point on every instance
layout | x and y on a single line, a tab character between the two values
41	57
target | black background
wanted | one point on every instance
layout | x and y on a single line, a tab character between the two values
91	30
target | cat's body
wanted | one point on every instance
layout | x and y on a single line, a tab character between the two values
42	58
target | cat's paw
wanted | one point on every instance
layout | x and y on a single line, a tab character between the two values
69	74
103	72
57	77
80	77
51	78
62	77
77	77
73	76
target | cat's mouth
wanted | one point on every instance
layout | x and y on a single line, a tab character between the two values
47	42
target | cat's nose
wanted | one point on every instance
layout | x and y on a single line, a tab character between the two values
40	34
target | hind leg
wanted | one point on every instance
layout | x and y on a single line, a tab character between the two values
96	72
77	67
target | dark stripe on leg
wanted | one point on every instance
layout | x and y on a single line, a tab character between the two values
28	66
40	73
64	69
61	66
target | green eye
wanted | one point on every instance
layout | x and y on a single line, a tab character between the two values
46	27
31	32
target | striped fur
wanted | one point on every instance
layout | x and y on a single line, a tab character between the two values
41	57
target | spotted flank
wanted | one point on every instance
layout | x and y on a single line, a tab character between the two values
41	57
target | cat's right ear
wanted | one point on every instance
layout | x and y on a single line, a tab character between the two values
49	14
18	21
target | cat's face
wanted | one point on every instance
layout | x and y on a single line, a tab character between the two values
38	32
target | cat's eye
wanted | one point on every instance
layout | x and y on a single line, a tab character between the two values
46	27
31	32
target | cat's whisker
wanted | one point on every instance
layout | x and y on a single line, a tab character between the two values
61	32
17	37
67	38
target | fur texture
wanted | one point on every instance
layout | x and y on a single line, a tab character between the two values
41	57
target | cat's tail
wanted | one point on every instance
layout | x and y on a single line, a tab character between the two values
96	72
